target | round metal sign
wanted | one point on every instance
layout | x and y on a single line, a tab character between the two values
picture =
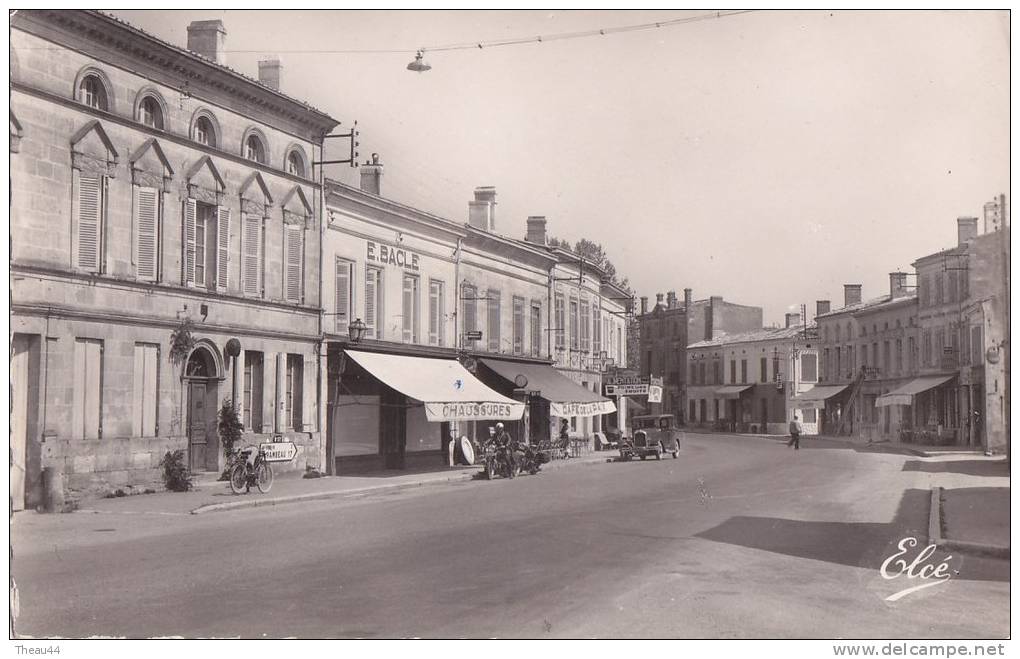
521	381
992	355
467	450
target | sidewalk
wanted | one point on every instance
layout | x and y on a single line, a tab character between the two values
211	495
901	448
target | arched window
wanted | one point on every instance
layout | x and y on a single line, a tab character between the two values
254	148
295	163
204	132
204	128
150	112
92	92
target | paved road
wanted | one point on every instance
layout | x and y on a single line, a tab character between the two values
738	538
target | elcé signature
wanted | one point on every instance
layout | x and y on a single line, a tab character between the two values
930	573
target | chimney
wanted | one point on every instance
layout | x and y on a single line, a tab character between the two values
208	39
851	294
966	229
792	319
658	300
671	300
482	211
822	307
536	230
371	176
898	282
644	304
269	72
688	294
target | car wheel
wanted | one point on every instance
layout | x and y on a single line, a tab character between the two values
676	451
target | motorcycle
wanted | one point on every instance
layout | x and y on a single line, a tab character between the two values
529	459
498	461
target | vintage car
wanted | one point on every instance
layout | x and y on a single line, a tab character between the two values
653	434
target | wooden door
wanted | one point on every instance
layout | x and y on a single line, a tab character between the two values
197	426
19	421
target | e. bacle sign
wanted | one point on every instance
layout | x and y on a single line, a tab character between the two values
390	255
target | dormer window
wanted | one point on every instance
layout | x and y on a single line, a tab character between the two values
150	113
92	92
254	149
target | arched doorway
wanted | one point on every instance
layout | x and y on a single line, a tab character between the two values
202	374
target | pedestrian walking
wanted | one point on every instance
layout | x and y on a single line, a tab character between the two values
795	430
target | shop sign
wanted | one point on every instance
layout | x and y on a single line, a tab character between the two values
279	451
627	389
654	394
436	412
626	379
582	409
390	255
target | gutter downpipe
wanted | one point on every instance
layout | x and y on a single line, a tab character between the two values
456	294
320	387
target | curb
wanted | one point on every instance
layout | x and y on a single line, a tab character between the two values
935	533
465	475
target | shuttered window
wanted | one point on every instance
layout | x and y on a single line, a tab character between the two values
144	407
86	418
189	258
251	254
437	317
493	304
410	309
518	330
574	322
147	226
596	330
252	408
373	303
89	219
222	247
536	329
560	320
585	326
470	311
293	261
295	380
344	282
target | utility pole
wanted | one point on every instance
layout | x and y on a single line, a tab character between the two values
1005	308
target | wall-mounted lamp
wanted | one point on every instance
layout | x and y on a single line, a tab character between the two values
419	65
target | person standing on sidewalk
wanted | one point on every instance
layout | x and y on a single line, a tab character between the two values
795	430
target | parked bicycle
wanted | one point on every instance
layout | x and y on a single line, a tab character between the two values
251	468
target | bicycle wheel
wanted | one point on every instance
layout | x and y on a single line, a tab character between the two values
238	479
264	477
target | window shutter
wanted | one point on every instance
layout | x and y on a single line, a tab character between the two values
371	296
147	245
251	237
433	313
87	390
408	308
343	295
90	205
222	247
292	262
190	213
137	405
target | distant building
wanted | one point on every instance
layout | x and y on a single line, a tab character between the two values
749	381
668	328
868	349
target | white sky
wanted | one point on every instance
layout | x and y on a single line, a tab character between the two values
768	157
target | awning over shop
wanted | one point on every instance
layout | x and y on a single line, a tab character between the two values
566	397
905	394
816	397
448	390
732	390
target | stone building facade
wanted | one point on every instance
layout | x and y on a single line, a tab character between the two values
671	325
750	381
153	185
423	285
